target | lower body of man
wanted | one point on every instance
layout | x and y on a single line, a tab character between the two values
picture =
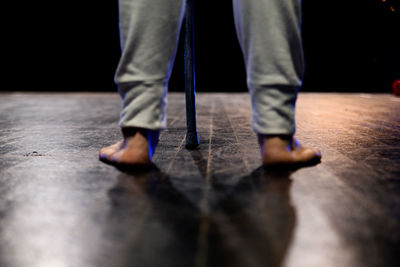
270	39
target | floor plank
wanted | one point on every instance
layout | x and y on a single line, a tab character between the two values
215	206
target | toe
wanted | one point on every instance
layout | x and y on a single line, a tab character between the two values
107	152
309	154
104	151
318	153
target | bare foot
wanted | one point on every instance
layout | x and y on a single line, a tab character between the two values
136	149
285	152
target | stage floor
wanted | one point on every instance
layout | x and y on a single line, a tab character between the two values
60	206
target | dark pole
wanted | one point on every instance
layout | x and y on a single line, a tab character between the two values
192	139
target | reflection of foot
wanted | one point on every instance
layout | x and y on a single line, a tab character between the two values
136	149
286	152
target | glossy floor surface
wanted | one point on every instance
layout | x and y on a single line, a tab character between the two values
61	207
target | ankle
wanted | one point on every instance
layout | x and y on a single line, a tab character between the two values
129	132
277	138
142	136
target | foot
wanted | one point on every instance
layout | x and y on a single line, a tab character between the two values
136	149
285	152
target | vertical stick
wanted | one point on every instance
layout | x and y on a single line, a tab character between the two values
192	139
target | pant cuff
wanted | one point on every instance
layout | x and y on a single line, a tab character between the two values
144	105
273	109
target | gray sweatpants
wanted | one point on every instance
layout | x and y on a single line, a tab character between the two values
269	36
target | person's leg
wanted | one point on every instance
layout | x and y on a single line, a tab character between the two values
269	35
149	31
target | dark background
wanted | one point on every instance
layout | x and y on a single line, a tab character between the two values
74	46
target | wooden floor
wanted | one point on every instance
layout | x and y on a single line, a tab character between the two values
215	206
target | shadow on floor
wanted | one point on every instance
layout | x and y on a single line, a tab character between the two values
151	223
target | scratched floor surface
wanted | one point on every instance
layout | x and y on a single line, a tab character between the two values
215	206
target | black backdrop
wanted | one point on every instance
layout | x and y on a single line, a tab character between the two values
74	46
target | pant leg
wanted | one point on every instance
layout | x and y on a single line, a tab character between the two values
269	35
149	32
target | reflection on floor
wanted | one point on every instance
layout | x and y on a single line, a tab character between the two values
215	206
